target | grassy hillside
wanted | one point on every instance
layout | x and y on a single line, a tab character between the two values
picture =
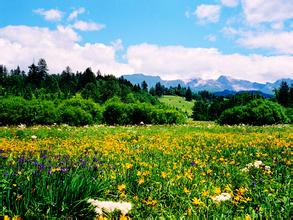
178	102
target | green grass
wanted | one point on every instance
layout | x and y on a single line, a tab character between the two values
164	171
178	102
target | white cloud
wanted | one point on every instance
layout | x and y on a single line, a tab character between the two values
277	26
117	44
88	26
50	15
229	3
211	38
258	11
281	42
75	13
20	45
208	13
177	62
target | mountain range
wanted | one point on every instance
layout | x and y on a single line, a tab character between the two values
223	83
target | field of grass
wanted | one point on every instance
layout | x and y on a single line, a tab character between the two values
193	171
178	102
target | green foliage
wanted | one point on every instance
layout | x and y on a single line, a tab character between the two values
256	112
74	111
134	113
200	110
167	172
283	94
188	95
79	111
289	113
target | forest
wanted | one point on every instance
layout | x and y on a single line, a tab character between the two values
82	98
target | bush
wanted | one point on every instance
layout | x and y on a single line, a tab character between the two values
16	110
256	112
12	110
117	113
89	111
289	113
122	113
76	116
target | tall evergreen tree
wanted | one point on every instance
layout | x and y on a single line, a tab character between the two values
159	89
282	94
188	95
144	86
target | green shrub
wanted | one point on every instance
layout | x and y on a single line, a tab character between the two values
76	116
117	113
289	113
12	110
87	106
134	113
256	112
16	110
40	112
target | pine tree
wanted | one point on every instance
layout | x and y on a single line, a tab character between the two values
188	95
282	94
144	86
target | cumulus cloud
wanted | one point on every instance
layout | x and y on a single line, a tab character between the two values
177	62
61	47
20	45
88	26
258	11
50	15
229	3
208	13
75	13
280	42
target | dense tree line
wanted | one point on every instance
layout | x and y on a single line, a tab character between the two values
38	83
247	107
80	98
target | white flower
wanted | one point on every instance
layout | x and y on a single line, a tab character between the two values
249	165
245	170
257	163
222	197
34	137
21	126
109	206
267	168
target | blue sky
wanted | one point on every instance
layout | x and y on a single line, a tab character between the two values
176	39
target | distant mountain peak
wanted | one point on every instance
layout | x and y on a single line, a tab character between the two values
222	83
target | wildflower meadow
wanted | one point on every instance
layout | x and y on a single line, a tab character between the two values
191	171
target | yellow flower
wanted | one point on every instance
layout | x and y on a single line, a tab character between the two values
123	217
241	191
205	193
186	190
128	165
121	187
164	174
196	202
247	217
102	218
138	173
217	190
140	181
209	171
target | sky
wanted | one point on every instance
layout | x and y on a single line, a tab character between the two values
174	39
